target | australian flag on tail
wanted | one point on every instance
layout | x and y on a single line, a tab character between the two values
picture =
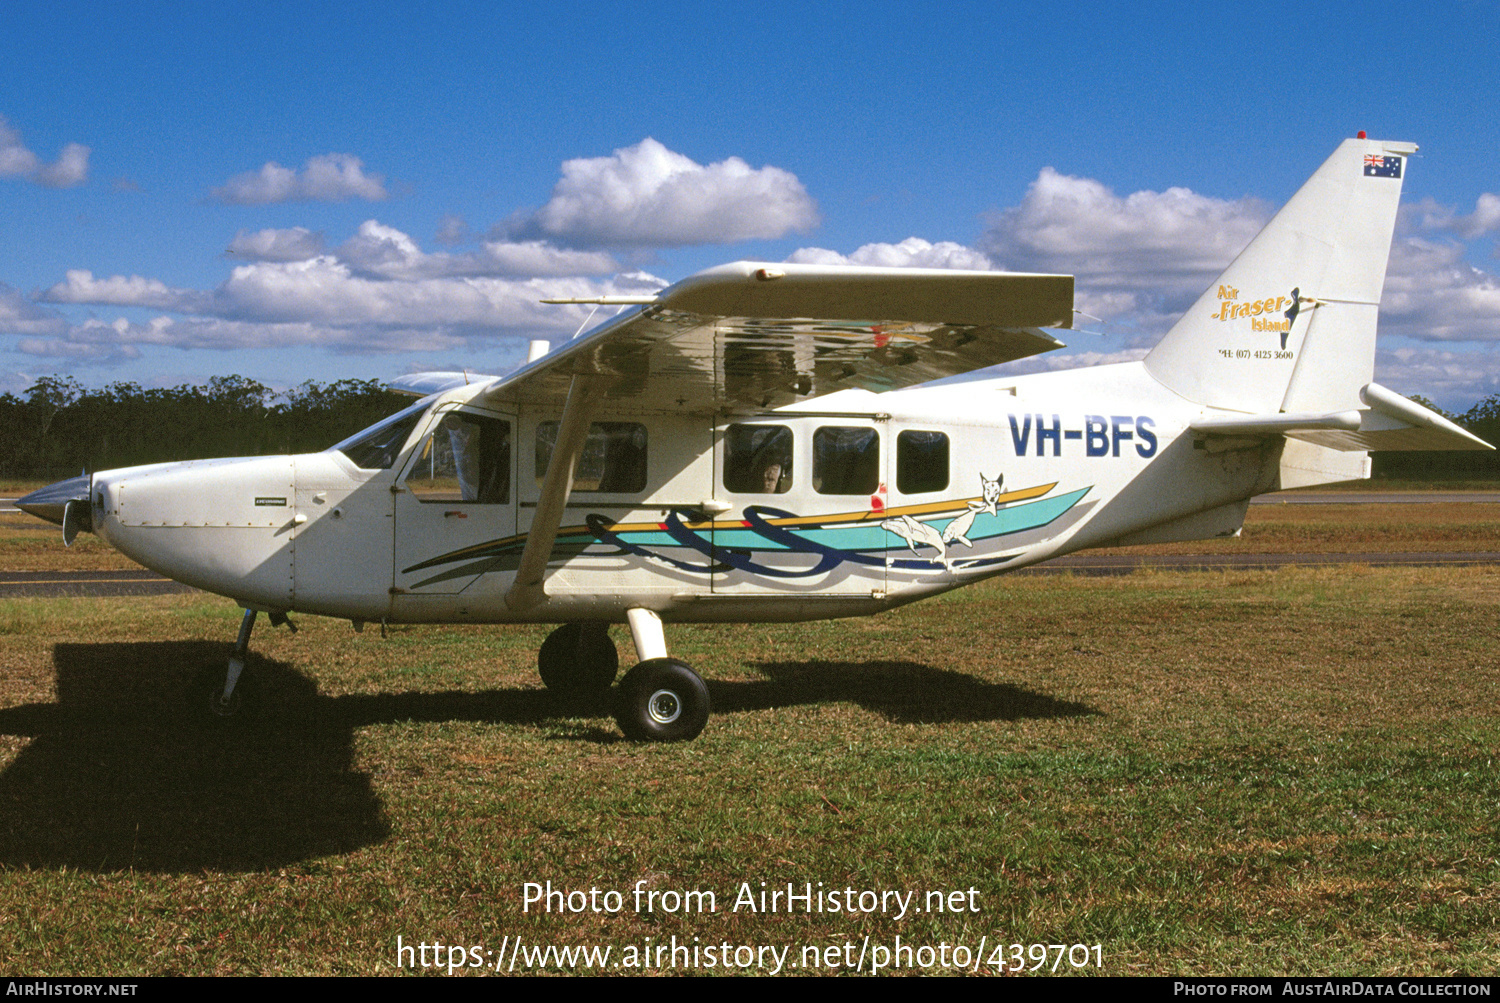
1377	166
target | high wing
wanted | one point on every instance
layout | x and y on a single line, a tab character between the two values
750	335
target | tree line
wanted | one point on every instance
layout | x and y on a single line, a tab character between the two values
59	428
1483	419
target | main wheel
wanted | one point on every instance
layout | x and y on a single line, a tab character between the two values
578	659
662	700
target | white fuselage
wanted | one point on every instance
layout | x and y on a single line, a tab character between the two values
965	481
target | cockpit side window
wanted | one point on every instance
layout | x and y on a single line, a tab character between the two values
377	447
465	459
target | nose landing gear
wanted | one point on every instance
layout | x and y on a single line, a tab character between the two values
220	696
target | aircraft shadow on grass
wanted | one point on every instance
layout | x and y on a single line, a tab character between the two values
121	775
902	692
122	772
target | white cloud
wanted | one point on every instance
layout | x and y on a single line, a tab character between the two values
913	252
1432	294
18	315
331	177
16	161
326	290
80	286
1073	360
1139	260
648	196
386	252
102	341
1453	379
453	230
72	168
1430	215
295	244
532	257
377	292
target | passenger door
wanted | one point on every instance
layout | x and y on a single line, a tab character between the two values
456	504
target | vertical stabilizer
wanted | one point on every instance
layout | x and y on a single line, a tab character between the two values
1290	325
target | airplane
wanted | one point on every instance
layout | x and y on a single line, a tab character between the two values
756	443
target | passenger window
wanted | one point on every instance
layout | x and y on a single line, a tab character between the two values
921	462
758	459
613	458
846	461
465	459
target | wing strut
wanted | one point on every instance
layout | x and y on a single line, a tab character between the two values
583	394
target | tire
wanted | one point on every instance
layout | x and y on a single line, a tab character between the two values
207	706
662	700
578	660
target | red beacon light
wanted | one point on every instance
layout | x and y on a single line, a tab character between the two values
1361	135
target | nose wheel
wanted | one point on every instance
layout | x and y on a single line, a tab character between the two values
221	695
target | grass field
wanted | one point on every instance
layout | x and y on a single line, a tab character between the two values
1283	772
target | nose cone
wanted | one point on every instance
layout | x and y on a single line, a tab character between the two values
51	502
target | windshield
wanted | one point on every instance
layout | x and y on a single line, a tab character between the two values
377	447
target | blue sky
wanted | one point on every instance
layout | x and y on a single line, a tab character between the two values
315	191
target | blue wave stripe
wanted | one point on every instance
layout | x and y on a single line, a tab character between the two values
870	536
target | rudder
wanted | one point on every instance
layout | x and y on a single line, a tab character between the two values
1290	325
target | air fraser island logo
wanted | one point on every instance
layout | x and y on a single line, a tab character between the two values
1262	313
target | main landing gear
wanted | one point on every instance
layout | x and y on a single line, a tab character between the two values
578	660
661	699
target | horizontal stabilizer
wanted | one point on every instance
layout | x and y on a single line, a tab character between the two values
1388	422
1278	424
